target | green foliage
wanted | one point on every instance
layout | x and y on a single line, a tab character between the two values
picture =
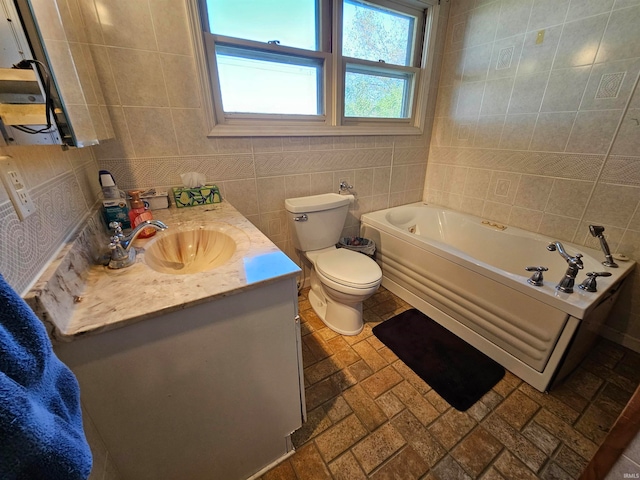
375	34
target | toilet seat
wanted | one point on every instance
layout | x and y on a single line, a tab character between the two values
348	268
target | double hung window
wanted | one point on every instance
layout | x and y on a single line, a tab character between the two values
317	67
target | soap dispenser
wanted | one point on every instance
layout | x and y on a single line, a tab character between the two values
138	214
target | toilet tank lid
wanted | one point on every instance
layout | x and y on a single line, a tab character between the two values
315	203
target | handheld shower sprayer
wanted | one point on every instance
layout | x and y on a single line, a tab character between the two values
598	232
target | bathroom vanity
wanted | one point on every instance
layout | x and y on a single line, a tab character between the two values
185	376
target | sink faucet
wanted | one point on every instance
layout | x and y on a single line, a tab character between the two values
575	264
122	255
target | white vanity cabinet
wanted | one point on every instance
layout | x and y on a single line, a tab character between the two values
212	391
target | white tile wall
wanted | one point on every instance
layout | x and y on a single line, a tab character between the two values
547	135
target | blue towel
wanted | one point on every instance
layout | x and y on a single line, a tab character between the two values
41	435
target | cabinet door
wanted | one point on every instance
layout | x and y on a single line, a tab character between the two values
211	391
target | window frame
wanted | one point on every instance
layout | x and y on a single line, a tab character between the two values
333	122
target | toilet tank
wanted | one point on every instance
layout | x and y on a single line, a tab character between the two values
320	219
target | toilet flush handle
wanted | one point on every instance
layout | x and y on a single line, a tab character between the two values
301	218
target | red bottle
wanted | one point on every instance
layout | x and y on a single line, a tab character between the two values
138	214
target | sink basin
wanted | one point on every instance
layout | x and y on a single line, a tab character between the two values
189	251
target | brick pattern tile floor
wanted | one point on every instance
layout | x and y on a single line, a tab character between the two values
371	417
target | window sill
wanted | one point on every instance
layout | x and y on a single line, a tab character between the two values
310	130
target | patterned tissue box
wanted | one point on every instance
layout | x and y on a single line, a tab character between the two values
191	197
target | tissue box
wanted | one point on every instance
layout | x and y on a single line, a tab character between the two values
190	197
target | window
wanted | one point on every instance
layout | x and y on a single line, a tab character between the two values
317	67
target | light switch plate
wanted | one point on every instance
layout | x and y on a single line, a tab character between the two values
16	188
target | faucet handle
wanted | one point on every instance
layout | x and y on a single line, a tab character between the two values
536	279
589	283
577	260
117	227
344	187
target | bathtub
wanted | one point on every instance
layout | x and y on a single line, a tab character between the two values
469	275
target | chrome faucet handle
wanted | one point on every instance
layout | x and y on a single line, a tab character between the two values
589	283
120	256
536	279
117	228
344	187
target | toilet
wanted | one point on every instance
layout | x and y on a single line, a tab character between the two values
341	279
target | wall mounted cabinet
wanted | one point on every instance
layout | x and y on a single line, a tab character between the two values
60	101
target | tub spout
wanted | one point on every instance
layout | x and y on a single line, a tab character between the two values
574	265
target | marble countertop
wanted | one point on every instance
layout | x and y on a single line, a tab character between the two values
76	297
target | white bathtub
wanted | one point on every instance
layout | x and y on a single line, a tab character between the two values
469	275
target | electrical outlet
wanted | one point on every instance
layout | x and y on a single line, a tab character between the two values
16	188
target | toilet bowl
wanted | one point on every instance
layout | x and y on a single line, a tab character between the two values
341	280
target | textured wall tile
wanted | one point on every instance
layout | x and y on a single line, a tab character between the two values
464	131
620	40
514	17
627	141
533	192
616	203
469	99
403	156
297	185
568	197
498	212
363	183
593	131
243	195
126	24
527	94
525	218
579	42
556	226
517	131
489	131
322	183
482	24
191	133
180	77
538	57
476	63
137	77
504	57
546	13
565	89
155	172
552	131
319	161
473	206
26	247
497	94
271	194
152	131
171	26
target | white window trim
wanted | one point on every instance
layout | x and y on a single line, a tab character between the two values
332	124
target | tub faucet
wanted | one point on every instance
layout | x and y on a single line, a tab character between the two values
122	255
575	264
597	231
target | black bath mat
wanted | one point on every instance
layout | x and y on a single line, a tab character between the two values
453	368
